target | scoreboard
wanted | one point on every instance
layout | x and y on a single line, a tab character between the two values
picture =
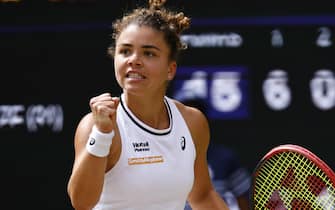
281	56
267	80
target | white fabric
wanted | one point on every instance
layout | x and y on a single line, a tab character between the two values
99	143
156	167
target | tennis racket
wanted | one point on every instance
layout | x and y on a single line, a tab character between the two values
292	177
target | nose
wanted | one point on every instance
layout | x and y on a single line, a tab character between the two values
134	59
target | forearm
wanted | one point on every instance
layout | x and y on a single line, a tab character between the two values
212	201
86	182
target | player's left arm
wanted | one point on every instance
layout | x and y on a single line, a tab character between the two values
203	195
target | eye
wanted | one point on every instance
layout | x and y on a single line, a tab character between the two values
125	51
149	53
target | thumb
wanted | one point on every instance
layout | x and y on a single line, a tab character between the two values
116	101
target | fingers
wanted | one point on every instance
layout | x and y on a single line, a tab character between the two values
104	108
100	98
103	101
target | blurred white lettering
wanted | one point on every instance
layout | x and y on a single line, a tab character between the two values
195	87
324	38
277	39
213	40
277	93
11	115
322	88
225	92
34	116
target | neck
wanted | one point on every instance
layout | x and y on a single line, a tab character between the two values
151	111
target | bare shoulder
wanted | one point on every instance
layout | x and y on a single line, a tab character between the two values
191	113
84	128
196	121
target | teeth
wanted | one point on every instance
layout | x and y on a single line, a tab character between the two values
135	76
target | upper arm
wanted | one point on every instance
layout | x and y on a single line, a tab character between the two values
203	194
82	133
86	181
199	127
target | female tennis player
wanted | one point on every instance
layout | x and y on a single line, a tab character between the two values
143	150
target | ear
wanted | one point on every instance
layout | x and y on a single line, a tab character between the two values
172	70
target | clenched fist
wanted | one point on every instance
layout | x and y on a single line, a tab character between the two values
104	108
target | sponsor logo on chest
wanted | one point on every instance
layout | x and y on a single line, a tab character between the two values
141	146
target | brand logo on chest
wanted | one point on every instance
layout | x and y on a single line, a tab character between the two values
141	146
183	143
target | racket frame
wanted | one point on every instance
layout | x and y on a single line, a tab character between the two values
295	149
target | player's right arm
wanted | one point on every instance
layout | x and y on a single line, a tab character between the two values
86	181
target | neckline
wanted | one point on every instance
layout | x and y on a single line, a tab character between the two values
144	126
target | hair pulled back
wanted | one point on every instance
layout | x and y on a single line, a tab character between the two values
170	23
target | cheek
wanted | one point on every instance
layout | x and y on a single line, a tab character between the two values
119	64
117	75
117	70
162	72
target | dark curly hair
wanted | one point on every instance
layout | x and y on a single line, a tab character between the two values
170	23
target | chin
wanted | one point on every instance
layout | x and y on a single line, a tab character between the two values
134	91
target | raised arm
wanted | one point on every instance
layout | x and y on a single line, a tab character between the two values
86	181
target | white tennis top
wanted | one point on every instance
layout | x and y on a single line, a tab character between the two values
156	167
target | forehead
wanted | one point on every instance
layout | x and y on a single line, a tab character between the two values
134	34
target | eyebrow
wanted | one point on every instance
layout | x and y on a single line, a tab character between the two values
144	46
151	47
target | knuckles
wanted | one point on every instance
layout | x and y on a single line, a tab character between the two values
103	108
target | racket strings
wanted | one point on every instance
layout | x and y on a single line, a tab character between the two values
291	181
